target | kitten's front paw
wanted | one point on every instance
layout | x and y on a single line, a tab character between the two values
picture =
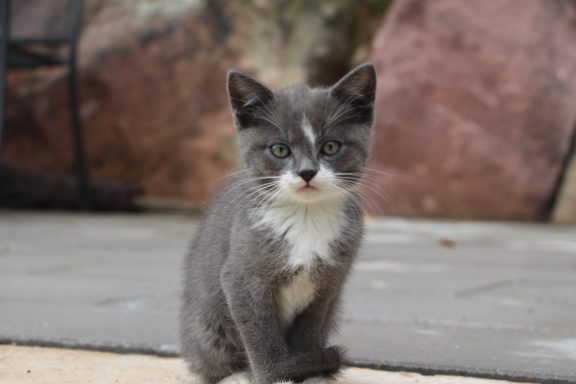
318	380
237	378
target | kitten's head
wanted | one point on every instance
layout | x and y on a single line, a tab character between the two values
302	144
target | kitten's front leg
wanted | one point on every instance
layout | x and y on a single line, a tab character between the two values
251	304
309	333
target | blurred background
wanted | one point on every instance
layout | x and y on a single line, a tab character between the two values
476	103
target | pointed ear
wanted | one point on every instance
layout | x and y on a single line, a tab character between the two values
358	90
245	95
358	83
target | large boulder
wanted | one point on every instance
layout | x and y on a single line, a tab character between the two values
152	99
476	107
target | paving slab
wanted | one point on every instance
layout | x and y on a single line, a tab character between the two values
32	365
481	299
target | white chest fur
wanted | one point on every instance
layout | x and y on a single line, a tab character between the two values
294	296
308	230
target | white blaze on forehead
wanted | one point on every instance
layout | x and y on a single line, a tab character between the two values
307	129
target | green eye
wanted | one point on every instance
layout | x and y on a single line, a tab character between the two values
280	150
331	148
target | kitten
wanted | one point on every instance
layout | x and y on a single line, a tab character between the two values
264	275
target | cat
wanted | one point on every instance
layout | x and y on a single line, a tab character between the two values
265	271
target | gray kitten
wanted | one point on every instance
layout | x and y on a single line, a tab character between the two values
264	275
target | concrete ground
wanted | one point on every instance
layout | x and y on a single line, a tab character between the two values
492	300
32	365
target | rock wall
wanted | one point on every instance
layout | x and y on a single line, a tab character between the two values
476	107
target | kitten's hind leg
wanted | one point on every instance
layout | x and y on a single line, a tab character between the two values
237	378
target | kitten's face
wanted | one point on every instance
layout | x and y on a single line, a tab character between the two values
301	144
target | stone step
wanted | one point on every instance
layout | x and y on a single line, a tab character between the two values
31	365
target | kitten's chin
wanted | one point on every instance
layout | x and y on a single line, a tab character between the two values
311	194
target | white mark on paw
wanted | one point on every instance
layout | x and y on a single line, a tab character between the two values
318	380
237	378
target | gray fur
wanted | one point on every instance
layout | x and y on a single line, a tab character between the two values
230	318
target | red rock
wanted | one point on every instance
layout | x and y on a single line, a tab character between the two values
148	90
475	107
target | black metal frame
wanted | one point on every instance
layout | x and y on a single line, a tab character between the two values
25	58
4	35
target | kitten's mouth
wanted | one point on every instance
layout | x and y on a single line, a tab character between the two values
308	188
